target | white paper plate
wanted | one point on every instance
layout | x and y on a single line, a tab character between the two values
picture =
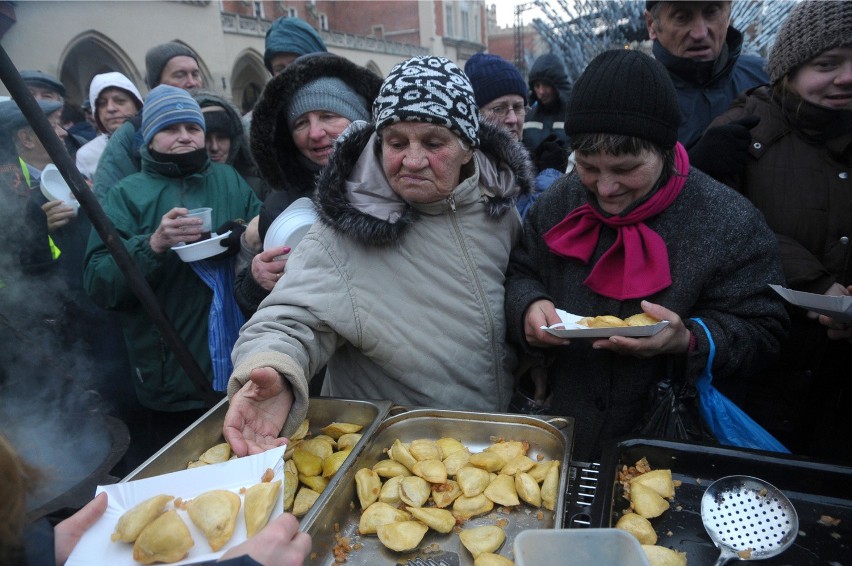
201	250
95	547
570	329
54	187
838	308
291	225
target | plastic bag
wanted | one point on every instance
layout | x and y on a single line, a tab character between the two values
673	413
728	423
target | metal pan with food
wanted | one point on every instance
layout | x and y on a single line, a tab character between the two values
604	326
820	494
426	484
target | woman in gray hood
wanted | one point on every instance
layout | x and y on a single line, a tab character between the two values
398	289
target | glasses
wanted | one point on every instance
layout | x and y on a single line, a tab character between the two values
503	110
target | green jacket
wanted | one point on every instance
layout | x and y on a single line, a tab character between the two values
120	158
136	206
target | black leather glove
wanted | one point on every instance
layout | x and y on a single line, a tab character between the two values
232	242
551	153
722	151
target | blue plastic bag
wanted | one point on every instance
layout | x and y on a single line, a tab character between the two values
730	424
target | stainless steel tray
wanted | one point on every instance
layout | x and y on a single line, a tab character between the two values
207	431
340	513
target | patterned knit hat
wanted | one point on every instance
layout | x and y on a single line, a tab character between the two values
158	57
492	77
429	89
628	93
811	28
167	105
331	95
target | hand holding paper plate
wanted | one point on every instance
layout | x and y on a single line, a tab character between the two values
291	225
54	187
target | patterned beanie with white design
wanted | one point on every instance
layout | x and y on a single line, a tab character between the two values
429	89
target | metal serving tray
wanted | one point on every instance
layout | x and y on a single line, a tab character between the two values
340	513
814	488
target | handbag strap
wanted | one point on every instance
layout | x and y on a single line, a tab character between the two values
706	376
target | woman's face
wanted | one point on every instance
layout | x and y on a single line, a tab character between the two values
826	80
619	180
314	134
218	146
422	161
115	106
178	138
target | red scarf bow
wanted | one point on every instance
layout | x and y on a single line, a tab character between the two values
637	264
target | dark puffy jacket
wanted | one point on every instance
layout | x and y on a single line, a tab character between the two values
545	120
706	89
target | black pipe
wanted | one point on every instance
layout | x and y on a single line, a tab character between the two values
135	280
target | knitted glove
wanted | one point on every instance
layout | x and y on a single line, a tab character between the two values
232	242
551	153
722	151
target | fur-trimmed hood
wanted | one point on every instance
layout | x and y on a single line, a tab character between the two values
271	140
354	197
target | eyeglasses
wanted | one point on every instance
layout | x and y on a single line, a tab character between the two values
503	110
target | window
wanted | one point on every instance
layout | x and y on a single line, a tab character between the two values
258	10
323	22
292	13
465	23
449	21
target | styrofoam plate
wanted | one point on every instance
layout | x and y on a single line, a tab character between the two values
201	250
54	187
291	225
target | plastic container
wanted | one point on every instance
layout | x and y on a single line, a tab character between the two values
291	225
201	250
578	547
54	187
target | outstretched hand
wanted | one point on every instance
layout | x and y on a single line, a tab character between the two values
279	543
257	413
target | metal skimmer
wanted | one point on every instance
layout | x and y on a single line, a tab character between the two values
748	518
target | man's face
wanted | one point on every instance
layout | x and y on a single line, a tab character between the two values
181	72
507	112
281	61
43	93
544	92
693	30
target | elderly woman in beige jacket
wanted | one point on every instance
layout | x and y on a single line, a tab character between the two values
398	288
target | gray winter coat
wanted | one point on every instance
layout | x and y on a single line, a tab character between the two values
401	302
722	257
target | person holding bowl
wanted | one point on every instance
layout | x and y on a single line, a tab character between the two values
398	288
633	229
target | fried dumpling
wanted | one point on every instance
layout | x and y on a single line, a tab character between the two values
488	461
260	499
291	484
219	453
440	520
517	464
368	486
308	463
491	559
502	491
445	493
509	449
390	468
165	539
402	536
380	514
472	481
348	441
215	514
305	498
138	517
449	445
414	491
482	539
302	431
433	471
424	449
399	453
468	507
528	489
456	461
390	491
336	430
549	488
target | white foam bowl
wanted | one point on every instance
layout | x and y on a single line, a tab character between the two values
291	225
201	250
54	187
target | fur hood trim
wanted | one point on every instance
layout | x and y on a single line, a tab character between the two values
503	163
271	140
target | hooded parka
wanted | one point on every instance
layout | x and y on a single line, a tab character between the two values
401	301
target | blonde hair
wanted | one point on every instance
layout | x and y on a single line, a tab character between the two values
17	478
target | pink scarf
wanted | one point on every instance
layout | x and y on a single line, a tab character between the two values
637	264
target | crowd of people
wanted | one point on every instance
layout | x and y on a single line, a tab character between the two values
457	211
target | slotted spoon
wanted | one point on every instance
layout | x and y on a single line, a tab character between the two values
748	518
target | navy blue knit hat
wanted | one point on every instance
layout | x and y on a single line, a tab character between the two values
628	93
429	89
492	77
167	105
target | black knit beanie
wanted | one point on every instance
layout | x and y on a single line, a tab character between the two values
628	93
159	55
811	28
